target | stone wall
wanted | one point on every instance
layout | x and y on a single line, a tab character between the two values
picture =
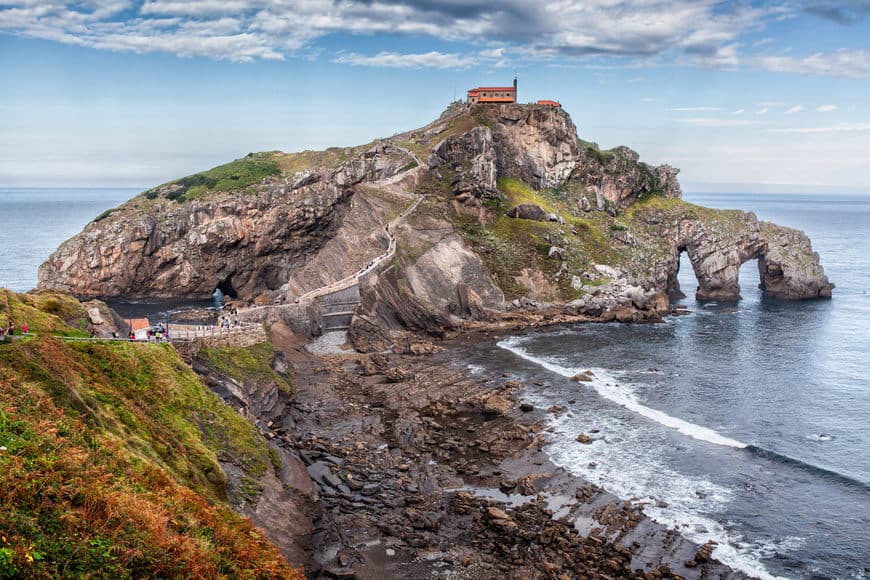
237	339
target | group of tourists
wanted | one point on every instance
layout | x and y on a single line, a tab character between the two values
9	329
226	324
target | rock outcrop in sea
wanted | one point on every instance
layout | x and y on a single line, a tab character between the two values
517	213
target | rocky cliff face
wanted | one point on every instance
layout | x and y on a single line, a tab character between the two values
514	206
245	243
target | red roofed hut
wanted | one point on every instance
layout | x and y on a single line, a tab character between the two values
493	94
549	103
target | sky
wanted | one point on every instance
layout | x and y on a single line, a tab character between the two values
741	96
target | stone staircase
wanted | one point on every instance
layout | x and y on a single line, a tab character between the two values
337	308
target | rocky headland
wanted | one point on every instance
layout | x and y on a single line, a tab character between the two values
382	457
518	212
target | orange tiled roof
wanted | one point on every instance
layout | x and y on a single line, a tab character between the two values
549	102
493	89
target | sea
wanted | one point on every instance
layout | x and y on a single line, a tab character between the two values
746	423
35	221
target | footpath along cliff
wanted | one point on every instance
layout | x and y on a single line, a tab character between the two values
518	214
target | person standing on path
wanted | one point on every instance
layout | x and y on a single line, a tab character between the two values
24	328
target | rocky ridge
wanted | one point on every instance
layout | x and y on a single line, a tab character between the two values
518	213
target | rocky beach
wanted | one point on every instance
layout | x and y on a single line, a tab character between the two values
420	469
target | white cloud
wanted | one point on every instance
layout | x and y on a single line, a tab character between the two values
716	122
826	108
738	112
840	128
493	53
695	109
706	32
842	63
432	59
762	111
795	109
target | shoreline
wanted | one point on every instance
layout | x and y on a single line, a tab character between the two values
446	471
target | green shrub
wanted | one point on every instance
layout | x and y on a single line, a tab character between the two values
231	176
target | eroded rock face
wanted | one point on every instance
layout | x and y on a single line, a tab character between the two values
719	244
472	159
617	177
246	244
789	267
537	145
441	271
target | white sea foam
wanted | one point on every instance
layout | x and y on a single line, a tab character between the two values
476	369
626	462
625	398
821	437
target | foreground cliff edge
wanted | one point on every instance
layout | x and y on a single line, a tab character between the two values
117	461
517	212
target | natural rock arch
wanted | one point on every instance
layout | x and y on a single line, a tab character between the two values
788	267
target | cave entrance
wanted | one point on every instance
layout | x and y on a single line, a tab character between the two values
226	288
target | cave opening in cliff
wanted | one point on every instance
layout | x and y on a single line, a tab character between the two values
226	286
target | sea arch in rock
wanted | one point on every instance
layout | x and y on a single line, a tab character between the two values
787	265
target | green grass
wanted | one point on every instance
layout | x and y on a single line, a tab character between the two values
44	312
290	163
233	176
249	364
111	467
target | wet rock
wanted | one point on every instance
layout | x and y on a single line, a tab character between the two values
584	377
371	488
526	407
322	474
497	405
584	438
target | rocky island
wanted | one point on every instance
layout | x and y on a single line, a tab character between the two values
515	206
383	458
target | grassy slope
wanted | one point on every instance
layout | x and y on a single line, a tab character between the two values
246	364
43	311
110	466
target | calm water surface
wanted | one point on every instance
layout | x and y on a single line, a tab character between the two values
34	222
